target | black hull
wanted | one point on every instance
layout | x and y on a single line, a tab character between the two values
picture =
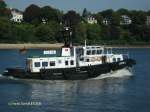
80	73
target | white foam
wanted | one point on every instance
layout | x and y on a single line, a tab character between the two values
118	73
1	75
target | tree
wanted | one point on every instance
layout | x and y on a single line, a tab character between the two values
138	17
85	13
32	14
71	18
2	4
50	14
3	9
123	12
80	32
25	32
44	33
99	18
47	32
146	34
107	13
93	32
8	31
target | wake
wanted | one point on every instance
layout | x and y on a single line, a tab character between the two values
119	73
1	75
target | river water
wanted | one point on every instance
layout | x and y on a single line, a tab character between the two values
120	92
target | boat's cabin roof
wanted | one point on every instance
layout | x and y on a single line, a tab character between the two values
94	47
91	50
90	47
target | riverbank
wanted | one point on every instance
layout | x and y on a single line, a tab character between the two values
58	45
30	46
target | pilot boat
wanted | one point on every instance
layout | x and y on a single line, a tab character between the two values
72	63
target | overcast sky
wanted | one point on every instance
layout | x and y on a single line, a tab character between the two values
79	5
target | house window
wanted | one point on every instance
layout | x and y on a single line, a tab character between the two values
71	62
44	64
66	62
52	63
114	59
37	64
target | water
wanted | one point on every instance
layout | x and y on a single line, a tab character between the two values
122	92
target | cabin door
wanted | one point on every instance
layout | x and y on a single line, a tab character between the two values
104	58
79	53
29	65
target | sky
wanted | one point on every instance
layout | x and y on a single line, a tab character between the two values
79	5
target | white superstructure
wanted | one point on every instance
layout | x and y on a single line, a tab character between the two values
74	57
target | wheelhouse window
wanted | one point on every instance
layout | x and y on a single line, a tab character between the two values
93	52
88	52
71	62
81	59
44	64
37	64
99	51
52	63
118	59
87	60
79	51
66	62
59	61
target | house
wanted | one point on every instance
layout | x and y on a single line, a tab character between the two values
44	21
125	20
148	20
17	16
106	21
91	19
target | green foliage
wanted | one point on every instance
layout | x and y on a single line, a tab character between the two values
71	18
85	13
36	15
123	12
33	29
50	14
14	33
107	13
81	33
48	32
3	9
93	32
2	4
32	14
25	32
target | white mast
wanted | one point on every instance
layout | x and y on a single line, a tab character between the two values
85	48
85	43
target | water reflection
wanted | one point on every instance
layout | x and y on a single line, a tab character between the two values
66	96
70	95
51	89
